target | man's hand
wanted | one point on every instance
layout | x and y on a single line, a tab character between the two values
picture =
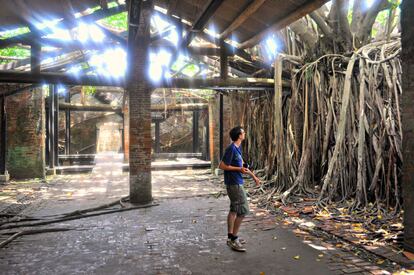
244	170
257	181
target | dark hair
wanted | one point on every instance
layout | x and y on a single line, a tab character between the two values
235	133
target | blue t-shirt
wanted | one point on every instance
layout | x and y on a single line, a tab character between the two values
233	156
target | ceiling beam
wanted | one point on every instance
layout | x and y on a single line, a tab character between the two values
230	49
198	26
154	107
280	23
246	13
183	83
71	22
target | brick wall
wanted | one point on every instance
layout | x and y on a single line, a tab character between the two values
230	119
214	130
407	22
126	130
26	134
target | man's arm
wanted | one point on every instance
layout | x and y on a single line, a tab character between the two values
256	179
226	167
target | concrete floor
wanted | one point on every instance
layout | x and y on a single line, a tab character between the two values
184	234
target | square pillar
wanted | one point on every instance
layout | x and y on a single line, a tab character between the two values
4	175
139	98
407	99
196	141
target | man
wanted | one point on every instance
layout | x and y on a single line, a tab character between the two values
232	164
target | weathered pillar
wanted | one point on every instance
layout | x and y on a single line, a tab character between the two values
224	71
139	95
206	133
407	99
4	176
56	125
196	143
25	123
214	131
157	137
67	124
126	128
51	127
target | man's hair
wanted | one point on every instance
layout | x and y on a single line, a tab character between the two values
235	133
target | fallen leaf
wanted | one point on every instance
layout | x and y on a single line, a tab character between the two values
297	257
409	255
262	273
380	261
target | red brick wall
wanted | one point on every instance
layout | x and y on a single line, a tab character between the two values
26	134
214	131
230	119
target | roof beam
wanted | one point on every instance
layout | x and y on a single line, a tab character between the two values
247	12
197	26
230	49
183	83
118	109
298	13
90	45
26	38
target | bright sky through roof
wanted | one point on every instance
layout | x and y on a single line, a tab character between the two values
271	47
112	62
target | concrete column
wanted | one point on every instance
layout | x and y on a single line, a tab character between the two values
214	132
224	71
139	95
196	142
51	127
157	137
56	125
407	99
67	124
4	175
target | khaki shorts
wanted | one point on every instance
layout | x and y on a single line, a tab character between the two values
238	199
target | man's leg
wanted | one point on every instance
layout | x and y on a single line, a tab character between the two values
237	223
231	218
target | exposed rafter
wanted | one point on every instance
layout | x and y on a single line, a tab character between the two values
65	23
197	26
239	20
154	108
184	83
301	11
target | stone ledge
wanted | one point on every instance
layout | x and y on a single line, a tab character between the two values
4	178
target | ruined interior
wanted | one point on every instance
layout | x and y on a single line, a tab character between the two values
126	107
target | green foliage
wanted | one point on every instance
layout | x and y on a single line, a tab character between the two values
119	21
89	90
14	51
14	32
191	70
